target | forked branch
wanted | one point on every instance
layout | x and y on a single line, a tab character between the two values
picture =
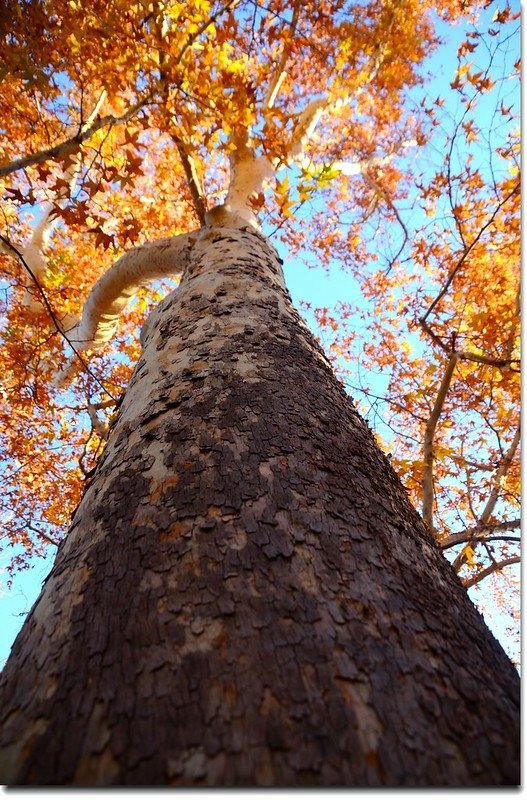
481	533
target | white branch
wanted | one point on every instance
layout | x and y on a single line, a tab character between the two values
98	426
249	173
305	126
33	252
274	88
112	292
308	119
359	167
93	116
280	72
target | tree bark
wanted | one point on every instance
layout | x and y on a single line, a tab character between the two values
246	597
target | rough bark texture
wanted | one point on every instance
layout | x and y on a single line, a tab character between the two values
246	596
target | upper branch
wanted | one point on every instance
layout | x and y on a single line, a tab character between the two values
280	73
69	145
33	251
7	247
466	252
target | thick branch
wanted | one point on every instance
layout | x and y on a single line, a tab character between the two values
99	427
248	175
305	126
112	292
360	167
428	443
33	251
499	565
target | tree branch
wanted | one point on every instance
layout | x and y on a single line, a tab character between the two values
99	427
72	143
466	252
33	251
477	533
280	73
7	244
499	565
189	165
499	474
87	130
248	173
465	355
428	443
114	289
94	114
303	130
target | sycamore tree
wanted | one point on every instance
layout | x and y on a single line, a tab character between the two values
245	595
445	297
97	159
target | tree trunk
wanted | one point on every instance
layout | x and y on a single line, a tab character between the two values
246	596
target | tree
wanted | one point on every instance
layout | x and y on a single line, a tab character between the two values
245	595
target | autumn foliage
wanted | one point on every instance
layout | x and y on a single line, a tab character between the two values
443	319
119	119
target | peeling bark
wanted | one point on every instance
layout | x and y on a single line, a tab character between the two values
246	596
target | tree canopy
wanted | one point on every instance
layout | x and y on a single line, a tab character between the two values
121	123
